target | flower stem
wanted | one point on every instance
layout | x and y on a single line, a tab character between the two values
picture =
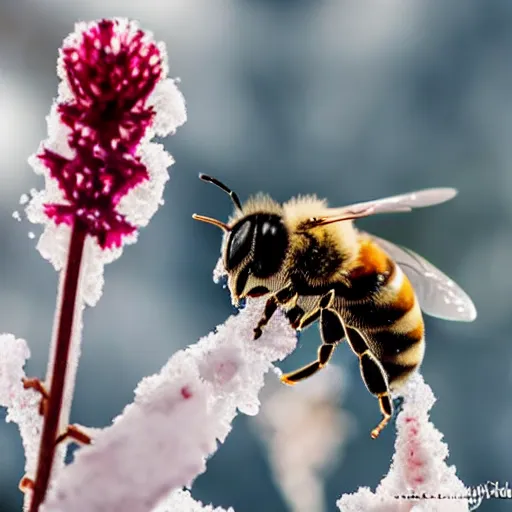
60	361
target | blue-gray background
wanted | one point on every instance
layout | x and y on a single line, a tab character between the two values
349	99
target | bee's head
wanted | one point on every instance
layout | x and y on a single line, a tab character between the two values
254	249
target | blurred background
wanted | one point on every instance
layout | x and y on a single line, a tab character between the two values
349	99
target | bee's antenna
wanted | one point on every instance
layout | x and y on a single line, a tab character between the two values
209	220
232	195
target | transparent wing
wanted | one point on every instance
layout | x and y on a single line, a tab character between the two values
437	294
400	203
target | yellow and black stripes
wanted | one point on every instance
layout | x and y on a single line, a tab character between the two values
391	320
364	297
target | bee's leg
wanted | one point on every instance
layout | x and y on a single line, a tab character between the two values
283	297
332	331
302	317
295	316
306	319
374	377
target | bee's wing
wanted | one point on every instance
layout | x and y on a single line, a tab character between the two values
400	203
437	294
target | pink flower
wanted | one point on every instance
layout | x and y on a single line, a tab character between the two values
104	179
111	68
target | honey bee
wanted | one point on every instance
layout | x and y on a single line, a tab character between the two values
314	264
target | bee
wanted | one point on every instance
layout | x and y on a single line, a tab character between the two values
312	262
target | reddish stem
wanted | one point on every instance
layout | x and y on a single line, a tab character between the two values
60	362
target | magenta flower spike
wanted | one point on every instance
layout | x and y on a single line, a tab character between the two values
104	180
111	70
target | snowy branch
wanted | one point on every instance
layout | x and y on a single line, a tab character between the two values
161	441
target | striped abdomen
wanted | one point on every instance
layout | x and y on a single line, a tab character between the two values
389	317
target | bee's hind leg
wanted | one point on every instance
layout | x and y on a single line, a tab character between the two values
332	331
374	377
283	297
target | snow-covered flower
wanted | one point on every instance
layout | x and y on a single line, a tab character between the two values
104	179
419	478
101	124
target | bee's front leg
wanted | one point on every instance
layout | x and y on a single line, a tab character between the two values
283	297
304	313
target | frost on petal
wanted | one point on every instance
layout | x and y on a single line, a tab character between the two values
169	105
141	203
181	500
22	404
178	415
58	132
418	468
304	429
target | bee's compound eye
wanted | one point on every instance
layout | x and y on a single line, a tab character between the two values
239	244
270	245
268	229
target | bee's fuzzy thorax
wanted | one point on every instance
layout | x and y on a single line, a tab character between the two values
300	208
343	234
